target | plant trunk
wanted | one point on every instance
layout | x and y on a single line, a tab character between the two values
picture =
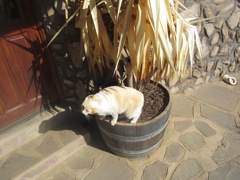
130	78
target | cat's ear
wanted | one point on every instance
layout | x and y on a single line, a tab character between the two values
91	97
94	101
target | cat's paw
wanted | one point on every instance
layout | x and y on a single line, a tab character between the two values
134	120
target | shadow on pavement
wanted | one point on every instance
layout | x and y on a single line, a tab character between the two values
73	121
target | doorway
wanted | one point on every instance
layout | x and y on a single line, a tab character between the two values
27	73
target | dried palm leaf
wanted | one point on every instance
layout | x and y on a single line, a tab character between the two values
60	30
159	41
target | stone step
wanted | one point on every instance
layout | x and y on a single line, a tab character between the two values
77	166
33	126
83	161
45	151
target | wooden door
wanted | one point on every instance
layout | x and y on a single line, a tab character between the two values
24	70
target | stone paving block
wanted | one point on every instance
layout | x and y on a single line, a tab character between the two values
204	128
228	149
157	170
230	171
203	176
83	161
15	164
237	159
62	176
181	126
218	96
192	141
182	106
220	118
174	153
24	132
111	168
52	152
188	169
60	172
48	146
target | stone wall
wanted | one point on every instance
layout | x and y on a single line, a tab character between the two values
220	37
65	49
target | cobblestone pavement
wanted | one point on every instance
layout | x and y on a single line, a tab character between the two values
201	141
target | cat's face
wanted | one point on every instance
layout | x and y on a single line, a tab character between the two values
89	105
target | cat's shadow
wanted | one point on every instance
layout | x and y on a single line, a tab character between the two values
72	121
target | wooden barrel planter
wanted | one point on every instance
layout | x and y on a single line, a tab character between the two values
140	139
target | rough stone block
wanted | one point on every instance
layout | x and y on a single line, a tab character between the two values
208	11
181	126
228	149
215	38
174	153
194	9
233	20
225	33
156	170
117	169
228	171
10	168
204	128
188	169
182	106
224	50
209	29
227	99
192	141
218	23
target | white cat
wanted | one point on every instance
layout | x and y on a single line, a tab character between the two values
115	100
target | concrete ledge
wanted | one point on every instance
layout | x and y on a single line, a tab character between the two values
57	157
20	134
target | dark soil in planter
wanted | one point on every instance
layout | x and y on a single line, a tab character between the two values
153	102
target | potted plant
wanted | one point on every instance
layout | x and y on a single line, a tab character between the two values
140	42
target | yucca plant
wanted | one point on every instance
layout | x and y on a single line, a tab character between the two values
159	42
